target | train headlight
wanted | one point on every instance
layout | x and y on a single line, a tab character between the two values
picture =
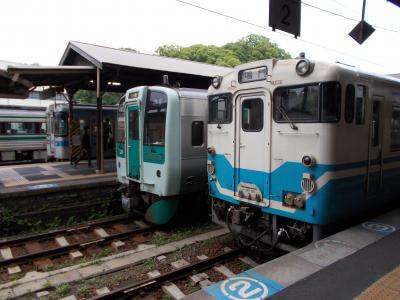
308	184
308	161
304	67
216	81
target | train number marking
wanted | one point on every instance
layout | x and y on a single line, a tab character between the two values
378	227
244	288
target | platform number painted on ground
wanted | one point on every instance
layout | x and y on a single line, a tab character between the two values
248	288
379	227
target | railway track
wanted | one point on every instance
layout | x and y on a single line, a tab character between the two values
36	252
132	288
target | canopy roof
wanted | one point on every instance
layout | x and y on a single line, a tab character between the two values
120	70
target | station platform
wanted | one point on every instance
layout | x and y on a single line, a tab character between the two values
46	176
361	262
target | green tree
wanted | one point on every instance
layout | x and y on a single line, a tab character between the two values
89	97
250	48
202	53
256	47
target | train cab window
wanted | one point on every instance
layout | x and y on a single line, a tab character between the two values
349	104
297	104
360	104
318	102
395	129
197	133
155	118
252	114
220	109
61	124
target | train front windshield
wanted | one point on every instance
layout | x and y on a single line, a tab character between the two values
154	121
61	124
308	103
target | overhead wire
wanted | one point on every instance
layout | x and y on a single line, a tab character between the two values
280	33
345	17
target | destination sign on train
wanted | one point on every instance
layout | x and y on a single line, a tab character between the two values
254	74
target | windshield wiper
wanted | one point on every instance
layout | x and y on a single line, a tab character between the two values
284	114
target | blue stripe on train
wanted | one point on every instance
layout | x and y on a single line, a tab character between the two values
337	199
62	143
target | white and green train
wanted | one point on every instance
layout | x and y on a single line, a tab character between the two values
161	149
22	133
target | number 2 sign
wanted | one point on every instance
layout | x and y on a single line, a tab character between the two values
244	288
285	15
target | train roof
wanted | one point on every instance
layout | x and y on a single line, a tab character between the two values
21	112
326	68
65	107
192	93
18	107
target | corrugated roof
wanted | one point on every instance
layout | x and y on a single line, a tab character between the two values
4	64
99	55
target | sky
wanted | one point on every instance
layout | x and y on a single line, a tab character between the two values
38	31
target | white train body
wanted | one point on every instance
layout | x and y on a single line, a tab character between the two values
22	133
293	153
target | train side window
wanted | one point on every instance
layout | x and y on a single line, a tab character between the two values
360	104
252	114
197	133
395	129
220	109
349	104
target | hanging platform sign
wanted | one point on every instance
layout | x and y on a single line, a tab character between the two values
361	32
285	15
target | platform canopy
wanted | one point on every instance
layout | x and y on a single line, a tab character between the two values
103	69
10	86
120	70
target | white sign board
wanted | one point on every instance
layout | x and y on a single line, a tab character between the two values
285	15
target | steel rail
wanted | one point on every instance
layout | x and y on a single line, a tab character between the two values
132	287
20	240
61	250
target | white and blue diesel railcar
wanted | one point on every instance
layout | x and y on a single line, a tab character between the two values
295	146
161	149
22	133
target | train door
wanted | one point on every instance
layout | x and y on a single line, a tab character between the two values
375	156
252	151
133	144
51	134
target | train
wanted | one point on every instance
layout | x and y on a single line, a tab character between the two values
58	131
296	147
161	150
22	133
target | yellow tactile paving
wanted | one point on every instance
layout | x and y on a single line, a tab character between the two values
387	288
